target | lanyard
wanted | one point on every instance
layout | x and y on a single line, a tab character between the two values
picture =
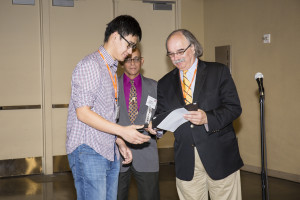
112	80
184	95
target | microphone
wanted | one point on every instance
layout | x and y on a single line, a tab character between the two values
259	79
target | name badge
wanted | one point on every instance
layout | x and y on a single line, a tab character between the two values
151	102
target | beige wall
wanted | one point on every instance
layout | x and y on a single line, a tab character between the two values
192	18
242	24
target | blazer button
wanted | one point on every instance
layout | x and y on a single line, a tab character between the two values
193	145
192	125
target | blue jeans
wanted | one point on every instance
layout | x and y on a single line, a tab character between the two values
95	177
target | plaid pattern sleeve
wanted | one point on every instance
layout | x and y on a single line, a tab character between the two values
85	83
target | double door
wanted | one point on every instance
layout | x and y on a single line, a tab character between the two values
39	47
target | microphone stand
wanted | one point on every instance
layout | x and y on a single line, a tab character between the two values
264	175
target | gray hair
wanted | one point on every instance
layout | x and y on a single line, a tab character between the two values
191	38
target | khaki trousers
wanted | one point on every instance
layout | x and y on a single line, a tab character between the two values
228	188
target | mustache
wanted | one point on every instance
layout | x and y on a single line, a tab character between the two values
178	61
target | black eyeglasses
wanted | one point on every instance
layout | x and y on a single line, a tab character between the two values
130	44
180	52
135	60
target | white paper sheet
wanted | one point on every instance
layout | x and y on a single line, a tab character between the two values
173	120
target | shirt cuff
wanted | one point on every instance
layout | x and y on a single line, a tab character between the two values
206	127
159	133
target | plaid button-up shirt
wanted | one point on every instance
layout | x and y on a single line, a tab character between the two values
92	86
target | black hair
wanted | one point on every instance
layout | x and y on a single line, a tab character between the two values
125	25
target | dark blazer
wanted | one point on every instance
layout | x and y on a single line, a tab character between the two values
216	94
145	156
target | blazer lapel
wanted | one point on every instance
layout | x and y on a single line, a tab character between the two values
144	97
122	98
177	86
121	90
200	78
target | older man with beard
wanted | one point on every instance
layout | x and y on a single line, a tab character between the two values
207	158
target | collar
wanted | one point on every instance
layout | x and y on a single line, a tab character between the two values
113	64
191	70
137	80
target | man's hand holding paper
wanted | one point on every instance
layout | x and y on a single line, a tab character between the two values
196	117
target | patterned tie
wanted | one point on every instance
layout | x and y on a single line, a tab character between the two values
186	88
133	111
